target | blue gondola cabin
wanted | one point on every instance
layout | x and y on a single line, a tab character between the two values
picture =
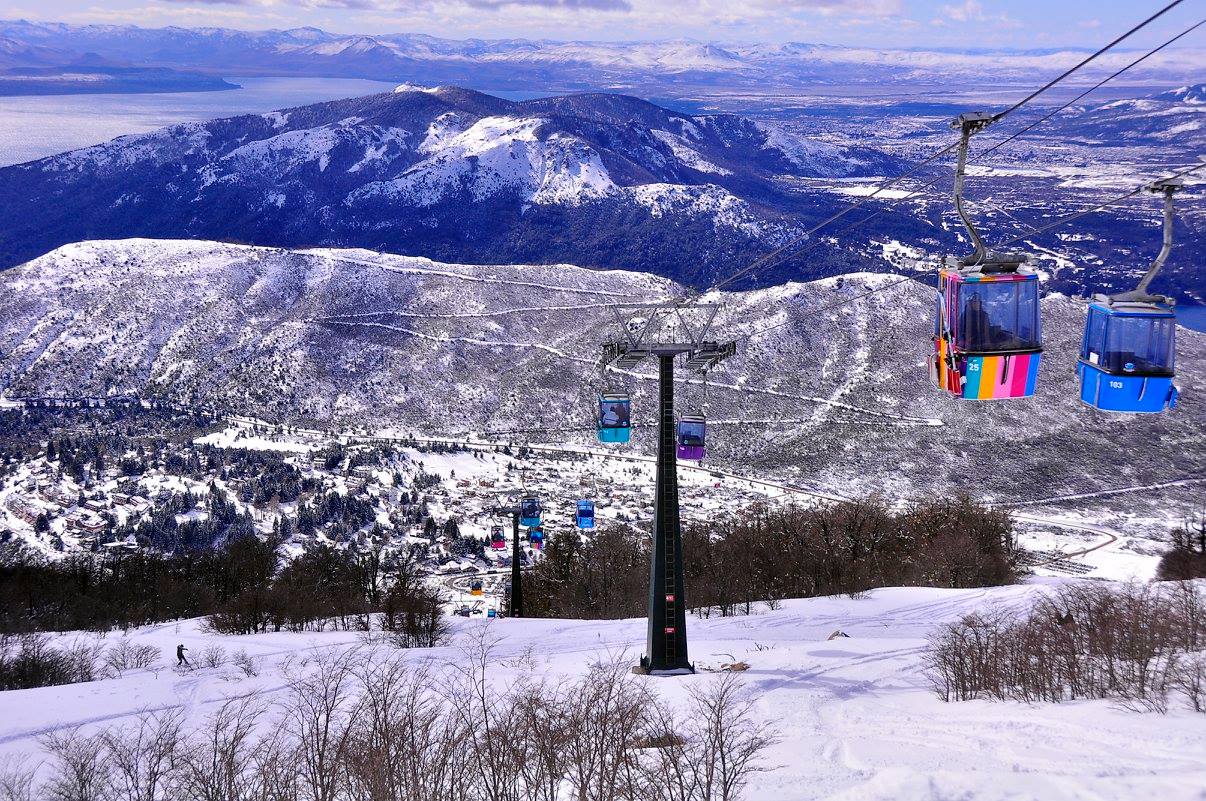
615	418
530	511
536	537
1127	357
586	514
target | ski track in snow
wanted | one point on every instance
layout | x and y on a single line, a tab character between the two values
900	418
468	340
477	315
474	278
1181	482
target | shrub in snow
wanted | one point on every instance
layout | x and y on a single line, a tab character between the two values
1186	559
126	655
1135	644
244	663
362	725
212	656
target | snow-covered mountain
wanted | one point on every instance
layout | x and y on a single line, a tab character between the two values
1176	117
839	399
601	180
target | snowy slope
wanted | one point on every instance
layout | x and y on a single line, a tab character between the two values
1176	117
856	717
838	399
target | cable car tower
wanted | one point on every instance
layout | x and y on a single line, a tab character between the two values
667	332
515	598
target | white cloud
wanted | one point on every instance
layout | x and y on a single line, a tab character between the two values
972	11
243	14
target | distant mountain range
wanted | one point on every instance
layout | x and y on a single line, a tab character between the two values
601	180
571	66
30	68
836	394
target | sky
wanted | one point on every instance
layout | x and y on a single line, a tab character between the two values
880	23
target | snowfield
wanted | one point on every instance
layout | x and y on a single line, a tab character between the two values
856	716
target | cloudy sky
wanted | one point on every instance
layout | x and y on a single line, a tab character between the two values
908	23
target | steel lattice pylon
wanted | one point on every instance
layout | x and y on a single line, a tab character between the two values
666	642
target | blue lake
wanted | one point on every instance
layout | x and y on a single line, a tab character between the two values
36	126
1192	317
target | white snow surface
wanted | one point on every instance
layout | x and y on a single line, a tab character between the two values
684	153
497	154
726	209
856	717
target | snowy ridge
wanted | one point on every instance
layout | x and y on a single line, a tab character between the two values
447	173
494	155
349	337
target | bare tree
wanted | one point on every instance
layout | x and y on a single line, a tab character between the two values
318	714
275	772
610	706
217	762
78	771
17	779
491	733
142	758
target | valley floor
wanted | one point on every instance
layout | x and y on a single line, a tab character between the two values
856	716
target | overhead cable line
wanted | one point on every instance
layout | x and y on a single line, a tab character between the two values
1090	90
759	262
1015	240
1087	60
1098	207
833	218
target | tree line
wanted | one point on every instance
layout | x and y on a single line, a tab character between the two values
765	555
245	585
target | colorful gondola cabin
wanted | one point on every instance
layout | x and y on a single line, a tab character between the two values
987	338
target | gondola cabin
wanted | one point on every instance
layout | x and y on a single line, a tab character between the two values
475	588
491	613
530	511
615	417
536	537
585	516
692	433
1126	357
498	540
987	337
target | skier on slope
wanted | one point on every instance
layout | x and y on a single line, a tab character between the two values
180	660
